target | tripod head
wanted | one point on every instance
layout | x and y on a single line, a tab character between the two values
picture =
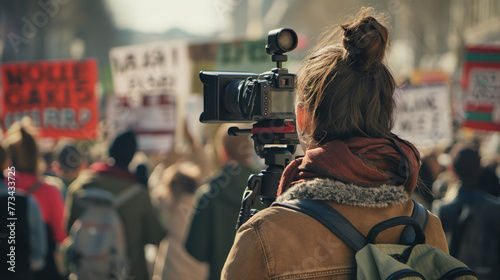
275	140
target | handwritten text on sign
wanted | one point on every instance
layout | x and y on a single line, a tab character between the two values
484	86
146	67
147	75
58	96
423	114
481	100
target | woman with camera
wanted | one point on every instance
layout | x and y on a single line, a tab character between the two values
344	107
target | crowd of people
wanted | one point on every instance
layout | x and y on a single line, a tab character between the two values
186	205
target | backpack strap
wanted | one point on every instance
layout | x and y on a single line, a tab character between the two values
342	228
422	216
418	233
330	218
126	195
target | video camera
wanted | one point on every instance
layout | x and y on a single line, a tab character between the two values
268	100
248	97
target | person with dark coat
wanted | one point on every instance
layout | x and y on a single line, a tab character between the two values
69	161
212	228
471	220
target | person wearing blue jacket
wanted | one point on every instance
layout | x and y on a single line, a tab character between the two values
471	218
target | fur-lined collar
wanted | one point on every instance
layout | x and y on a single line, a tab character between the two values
349	194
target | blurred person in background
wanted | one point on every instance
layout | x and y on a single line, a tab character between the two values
68	162
489	180
140	220
471	219
212	229
22	147
30	232
190	150
445	180
175	199
141	166
428	173
344	109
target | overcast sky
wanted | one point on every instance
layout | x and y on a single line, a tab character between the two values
194	16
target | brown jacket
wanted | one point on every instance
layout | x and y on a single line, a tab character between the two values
280	243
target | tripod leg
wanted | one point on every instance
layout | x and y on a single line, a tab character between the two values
249	196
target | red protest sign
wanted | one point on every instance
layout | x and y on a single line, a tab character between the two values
58	95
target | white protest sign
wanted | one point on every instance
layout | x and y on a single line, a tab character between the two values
195	108
145	67
154	120
484	86
423	115
482	99
150	82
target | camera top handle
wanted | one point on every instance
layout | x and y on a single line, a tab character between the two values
280	41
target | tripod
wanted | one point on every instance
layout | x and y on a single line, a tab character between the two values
274	140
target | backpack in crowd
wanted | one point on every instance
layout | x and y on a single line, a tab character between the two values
97	242
410	259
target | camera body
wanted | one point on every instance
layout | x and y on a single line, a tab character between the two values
247	97
250	97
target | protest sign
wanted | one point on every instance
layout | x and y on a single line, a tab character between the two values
423	114
195	107
479	56
202	56
247	56
482	99
145	67
251	56
153	120
481	88
58	95
150	83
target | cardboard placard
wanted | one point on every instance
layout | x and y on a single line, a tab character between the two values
481	100
423	114
151	82
58	95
